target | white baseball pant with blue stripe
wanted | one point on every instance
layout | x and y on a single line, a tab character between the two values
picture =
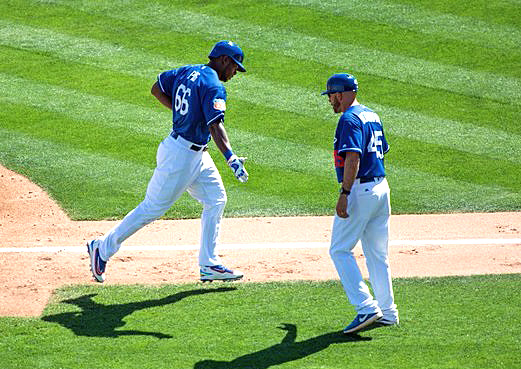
179	169
369	211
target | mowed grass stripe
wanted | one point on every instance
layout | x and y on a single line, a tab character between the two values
137	63
101	110
418	191
69	130
109	113
421	20
453	164
498	11
280	96
106	185
104	188
303	20
411	186
237	106
289	70
367	33
99	189
117	118
489	142
304	47
82	50
319	158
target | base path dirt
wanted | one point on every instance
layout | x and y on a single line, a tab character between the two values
30	219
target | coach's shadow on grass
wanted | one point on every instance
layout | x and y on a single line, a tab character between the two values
287	350
97	320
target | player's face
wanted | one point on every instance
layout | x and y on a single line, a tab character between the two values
230	70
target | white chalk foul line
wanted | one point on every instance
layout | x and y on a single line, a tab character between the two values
282	245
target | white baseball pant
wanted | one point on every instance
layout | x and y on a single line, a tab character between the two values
369	211
179	169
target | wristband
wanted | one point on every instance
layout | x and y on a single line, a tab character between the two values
228	154
343	191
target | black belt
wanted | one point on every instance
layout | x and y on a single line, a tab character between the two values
193	147
368	179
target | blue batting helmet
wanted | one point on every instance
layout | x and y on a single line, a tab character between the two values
341	82
230	49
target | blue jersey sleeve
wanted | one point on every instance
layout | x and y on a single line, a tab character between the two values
385	146
166	81
214	104
350	137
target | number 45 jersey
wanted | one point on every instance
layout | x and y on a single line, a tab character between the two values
198	100
360	130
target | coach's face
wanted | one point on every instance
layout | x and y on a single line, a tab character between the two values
341	101
334	100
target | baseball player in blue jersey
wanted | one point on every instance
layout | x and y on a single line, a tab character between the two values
363	207
197	99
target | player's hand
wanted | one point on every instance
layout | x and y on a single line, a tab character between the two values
237	165
341	207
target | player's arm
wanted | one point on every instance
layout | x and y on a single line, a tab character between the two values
161	96
351	165
220	138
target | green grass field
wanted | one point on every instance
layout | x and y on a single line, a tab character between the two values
464	322
77	117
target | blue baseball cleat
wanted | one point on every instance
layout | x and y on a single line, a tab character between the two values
362	321
97	264
387	322
219	273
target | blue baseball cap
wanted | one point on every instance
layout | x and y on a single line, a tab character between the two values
230	49
341	82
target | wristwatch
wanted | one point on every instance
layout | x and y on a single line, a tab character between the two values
343	191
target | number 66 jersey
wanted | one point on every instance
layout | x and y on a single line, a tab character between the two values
359	129
198	100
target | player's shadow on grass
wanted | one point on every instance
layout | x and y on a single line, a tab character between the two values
287	350
98	320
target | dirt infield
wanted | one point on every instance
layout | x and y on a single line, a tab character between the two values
29	219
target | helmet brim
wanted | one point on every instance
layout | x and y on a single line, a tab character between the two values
240	67
328	92
337	91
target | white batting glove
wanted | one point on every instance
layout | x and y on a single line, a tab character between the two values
237	166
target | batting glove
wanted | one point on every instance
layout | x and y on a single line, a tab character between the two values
237	166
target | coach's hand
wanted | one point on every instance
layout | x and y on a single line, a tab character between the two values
341	206
237	165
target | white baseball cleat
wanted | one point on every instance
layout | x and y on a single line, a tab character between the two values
219	273
97	264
